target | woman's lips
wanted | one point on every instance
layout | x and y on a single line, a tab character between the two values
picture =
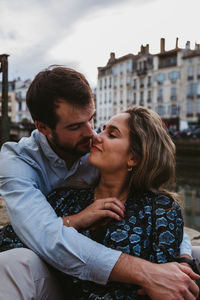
94	148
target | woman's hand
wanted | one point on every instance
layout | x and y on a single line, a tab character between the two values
96	214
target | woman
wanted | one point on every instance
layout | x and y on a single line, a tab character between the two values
135	156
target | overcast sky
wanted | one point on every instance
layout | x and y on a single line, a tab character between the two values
82	33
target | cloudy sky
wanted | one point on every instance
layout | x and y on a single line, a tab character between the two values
82	33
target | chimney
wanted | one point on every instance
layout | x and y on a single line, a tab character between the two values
147	48
112	55
162	45
112	58
176	43
187	45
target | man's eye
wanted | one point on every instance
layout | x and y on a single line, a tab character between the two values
74	128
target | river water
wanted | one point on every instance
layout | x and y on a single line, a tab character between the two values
188	185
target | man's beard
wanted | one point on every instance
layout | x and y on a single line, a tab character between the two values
67	149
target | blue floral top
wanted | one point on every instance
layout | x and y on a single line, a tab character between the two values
151	229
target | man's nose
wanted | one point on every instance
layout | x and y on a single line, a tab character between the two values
89	129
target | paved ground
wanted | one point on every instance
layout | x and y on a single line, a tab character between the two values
193	234
3	214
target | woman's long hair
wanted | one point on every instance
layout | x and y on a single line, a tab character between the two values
153	150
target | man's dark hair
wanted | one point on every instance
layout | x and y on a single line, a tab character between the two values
52	85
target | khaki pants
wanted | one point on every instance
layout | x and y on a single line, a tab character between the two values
24	276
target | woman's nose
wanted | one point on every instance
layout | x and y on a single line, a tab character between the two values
97	138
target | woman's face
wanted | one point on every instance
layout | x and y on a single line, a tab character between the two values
110	149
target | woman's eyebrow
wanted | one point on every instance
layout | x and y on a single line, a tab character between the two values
112	127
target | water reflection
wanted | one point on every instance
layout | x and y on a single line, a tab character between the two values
188	185
191	205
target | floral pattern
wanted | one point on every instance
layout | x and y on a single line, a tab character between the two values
151	229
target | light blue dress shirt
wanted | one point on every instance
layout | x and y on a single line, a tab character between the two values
29	170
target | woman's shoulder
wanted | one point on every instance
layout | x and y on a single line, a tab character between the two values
153	199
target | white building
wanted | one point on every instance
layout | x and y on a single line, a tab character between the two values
22	113
157	81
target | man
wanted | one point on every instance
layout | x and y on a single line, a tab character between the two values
61	104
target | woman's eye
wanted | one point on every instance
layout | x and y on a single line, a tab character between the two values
112	135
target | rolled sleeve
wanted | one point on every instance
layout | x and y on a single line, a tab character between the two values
186	247
37	225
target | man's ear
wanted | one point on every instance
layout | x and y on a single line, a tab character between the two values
42	127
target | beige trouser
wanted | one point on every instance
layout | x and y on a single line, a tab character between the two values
24	276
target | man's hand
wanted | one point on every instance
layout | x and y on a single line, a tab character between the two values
168	281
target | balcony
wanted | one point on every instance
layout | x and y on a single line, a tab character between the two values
141	85
142	71
191	77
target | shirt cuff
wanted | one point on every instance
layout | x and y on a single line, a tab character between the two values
105	257
186	247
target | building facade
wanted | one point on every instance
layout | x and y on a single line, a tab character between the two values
17	109
160	82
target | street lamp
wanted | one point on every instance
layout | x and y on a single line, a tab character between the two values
5	123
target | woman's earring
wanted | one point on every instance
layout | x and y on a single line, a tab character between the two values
130	168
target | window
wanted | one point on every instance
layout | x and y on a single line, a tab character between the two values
129	66
149	81
141	98
198	107
128	96
100	84
160	94
121	96
190	72
20	106
142	82
115	83
134	98
105	98
128	80
121	68
198	71
149	96
100	99
110	82
160	78
174	110
105	83
173	93
198	89
121	82
174	75
161	110
191	90
110	97
114	71
190	108
135	83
